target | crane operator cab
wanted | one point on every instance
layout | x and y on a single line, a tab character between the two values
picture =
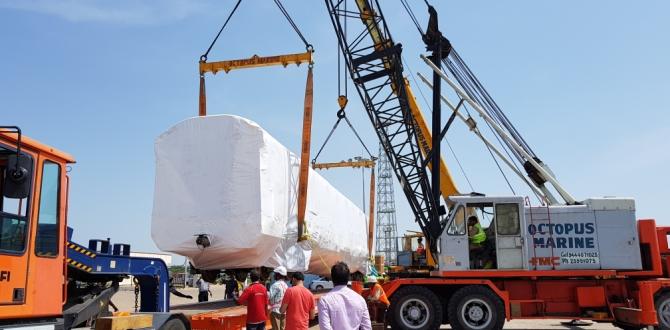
483	233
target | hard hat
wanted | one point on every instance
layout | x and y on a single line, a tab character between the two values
281	270
372	279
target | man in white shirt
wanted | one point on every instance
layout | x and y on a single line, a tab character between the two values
277	290
203	289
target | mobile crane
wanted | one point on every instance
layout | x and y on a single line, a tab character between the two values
580	259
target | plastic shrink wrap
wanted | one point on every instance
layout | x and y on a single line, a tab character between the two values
225	177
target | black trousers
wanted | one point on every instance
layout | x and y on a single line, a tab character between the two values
203	296
256	326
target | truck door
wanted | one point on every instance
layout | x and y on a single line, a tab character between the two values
14	237
454	248
509	244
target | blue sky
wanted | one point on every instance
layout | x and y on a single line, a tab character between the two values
586	82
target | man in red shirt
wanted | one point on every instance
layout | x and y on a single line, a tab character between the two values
298	304
256	298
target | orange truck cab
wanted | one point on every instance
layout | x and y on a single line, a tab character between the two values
47	281
32	228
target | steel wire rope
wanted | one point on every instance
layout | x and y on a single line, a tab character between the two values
411	15
203	57
495	106
466	86
293	25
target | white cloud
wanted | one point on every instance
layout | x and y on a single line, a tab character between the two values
131	12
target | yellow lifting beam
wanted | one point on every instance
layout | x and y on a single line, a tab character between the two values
256	62
365	163
247	63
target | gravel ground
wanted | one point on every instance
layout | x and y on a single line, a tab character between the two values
125	299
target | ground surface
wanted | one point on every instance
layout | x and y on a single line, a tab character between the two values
125	300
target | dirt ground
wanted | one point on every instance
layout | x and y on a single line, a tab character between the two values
125	301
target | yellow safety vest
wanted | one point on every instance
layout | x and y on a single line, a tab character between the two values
480	236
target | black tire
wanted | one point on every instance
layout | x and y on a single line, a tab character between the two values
627	327
662	303
173	324
415	308
319	287
476	308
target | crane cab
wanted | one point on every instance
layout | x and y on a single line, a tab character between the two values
483	233
33	190
504	233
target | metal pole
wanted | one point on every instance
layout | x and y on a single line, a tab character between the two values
437	126
566	196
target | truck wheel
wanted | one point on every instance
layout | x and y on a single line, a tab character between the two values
476	308
662	304
173	324
627	327
416	308
319	287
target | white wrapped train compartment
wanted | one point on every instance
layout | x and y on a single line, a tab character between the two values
226	178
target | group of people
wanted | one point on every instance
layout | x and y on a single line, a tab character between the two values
292	307
286	307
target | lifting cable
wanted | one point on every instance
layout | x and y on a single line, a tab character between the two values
283	10
204	56
341	115
411	15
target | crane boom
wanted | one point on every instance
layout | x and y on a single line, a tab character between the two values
375	65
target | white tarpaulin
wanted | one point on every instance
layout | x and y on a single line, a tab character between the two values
226	178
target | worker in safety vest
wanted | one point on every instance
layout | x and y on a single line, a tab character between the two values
476	234
378	303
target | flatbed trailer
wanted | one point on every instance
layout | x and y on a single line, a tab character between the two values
229	317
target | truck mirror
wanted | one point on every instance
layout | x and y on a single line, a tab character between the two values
18	176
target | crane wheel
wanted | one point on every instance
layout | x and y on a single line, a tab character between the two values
415	308
662	303
476	308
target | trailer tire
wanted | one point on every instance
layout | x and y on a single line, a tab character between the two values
662	304
415	308
476	308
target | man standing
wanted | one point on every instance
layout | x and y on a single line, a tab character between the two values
378	303
342	308
277	290
256	298
231	287
298	304
420	249
203	290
